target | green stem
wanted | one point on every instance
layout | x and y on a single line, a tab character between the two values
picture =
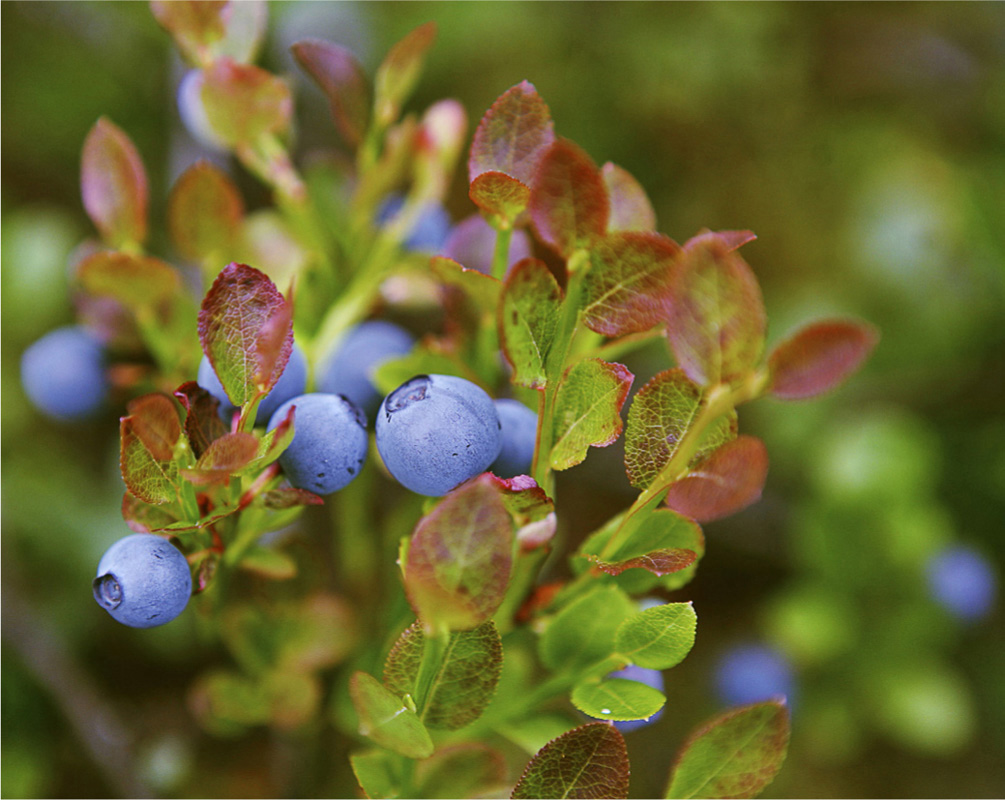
434	647
525	571
500	256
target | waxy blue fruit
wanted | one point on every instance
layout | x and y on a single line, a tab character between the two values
63	373
143	581
963	582
519	437
751	674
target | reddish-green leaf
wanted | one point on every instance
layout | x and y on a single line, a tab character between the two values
661	414
155	422
464	682
459	559
736	754
483	290
588	761
528	320
727	481
588	409
246	331
627	288
500	195
462	770
202	416
224	456
244	102
289	497
731	240
113	184
663	543
524	499
151	479
631	209
385	719
142	517
399	72
717	318
658	562
195	25
135	281
513	135
568	200
819	357
343	80
205	212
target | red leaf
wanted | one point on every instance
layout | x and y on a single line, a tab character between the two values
113	184
727	481
155	422
151	479
658	562
631	209
194	24
568	200
343	80
819	357
205	211
243	102
224	456
288	497
202	419
524	499
498	194
588	761
513	135
731	240
135	281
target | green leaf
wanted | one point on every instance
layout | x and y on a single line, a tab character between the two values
343	80
661	413
377	773
465	680
588	761
155	422
528	320
500	196
524	499
269	563
819	357
512	135
568	200
659	637
385	719
244	102
225	703
631	209
143	517
482	289
736	754
588	409
617	699
113	184
205	214
727	481
461	770
195	26
582	633
717	320
399	72
143	438
459	558
138	282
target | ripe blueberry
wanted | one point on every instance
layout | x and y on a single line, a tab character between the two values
437	431
752	673
430	230
143	581
329	442
519	437
63	373
963	582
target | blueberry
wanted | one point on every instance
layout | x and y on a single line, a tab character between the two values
963	582
291	383
431	228
519	437
437	431
752	673
143	581
63	373
650	677
329	444
350	370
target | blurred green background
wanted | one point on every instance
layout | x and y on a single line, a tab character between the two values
863	143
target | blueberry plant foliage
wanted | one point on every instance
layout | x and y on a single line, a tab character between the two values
467	657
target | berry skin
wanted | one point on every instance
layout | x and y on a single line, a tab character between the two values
963	582
350	370
143	581
751	674
650	677
519	436
431	228
63	373
329	442
437	431
291	383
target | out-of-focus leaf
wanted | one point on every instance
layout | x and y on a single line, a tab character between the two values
375	772
736	754
658	637
661	413
460	557
294	698
631	209
269	562
202	418
483	289
143	517
500	195
225	456
582	633
317	633
819	357
133	280
513	135
528	320
386	720
731	240
195	25
727	481
244	102
399	72
343	80
225	703
588	409
627	287
717	320
237	328
205	213
290	497
461	770
155	422
617	699
431	358
113	184
465	681
587	762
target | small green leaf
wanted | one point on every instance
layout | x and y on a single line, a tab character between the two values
244	102
290	497
385	719
138	282
631	209
269	562
482	289
590	761
582	633
513	135
819	357
113	184
736	754
462	770
155	422
617	699
343	80
226	703
659	637
151	479
500	196
588	409
727	481
399	72
205	213
195	25
376	772
528	320
524	499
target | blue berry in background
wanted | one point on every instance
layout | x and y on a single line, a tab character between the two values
431	229
350	370
291	383
472	242
437	431
143	581
650	677
963	582
751	674
329	442
63	373
519	435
